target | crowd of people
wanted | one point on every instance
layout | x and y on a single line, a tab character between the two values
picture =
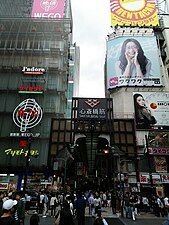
65	207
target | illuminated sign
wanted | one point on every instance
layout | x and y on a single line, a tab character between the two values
31	89
18	152
33	70
24	134
27	114
158	151
3	186
48	9
133	13
92	108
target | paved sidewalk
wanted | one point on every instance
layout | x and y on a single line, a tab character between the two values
107	213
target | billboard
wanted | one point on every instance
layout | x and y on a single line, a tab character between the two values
48	9
133	13
133	61
151	110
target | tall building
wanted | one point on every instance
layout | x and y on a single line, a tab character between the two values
35	37
137	70
73	79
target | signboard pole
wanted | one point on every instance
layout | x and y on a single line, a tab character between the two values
149	162
27	166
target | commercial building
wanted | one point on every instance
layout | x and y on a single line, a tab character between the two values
34	68
137	70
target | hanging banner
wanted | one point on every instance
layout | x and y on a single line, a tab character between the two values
133	13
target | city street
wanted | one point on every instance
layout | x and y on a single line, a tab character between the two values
143	219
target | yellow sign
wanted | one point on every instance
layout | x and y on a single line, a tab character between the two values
18	152
133	13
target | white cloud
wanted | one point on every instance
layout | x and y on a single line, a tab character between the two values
91	22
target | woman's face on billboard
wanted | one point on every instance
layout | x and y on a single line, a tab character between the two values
140	101
131	49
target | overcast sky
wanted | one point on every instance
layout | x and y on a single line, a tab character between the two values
91	24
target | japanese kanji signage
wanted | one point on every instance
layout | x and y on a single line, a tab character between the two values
89	108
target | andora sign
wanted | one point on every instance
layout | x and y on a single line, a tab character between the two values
133	13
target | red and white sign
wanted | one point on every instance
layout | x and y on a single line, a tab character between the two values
48	9
33	70
3	186
144	178
158	151
165	178
31	88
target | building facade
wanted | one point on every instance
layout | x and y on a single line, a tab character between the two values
34	69
138	71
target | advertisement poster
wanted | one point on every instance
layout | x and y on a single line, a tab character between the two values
160	164
133	61
133	13
152	111
48	9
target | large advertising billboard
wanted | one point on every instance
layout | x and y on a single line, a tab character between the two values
133	13
48	9
133	61
151	110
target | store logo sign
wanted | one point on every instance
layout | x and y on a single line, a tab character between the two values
48	5
27	114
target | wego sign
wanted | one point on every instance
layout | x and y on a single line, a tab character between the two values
27	114
48	8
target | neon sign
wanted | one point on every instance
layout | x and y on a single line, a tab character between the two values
31	89
18	152
33	70
27	114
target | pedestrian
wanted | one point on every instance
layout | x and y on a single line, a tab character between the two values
80	205
100	219
113	202
64	217
34	219
53	204
97	203
1	202
91	204
20	209
8	210
45	205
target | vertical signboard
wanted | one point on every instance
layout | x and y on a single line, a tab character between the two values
48	9
133	13
133	61
151	110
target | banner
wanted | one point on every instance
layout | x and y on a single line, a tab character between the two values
133	13
133	61
48	9
152	112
